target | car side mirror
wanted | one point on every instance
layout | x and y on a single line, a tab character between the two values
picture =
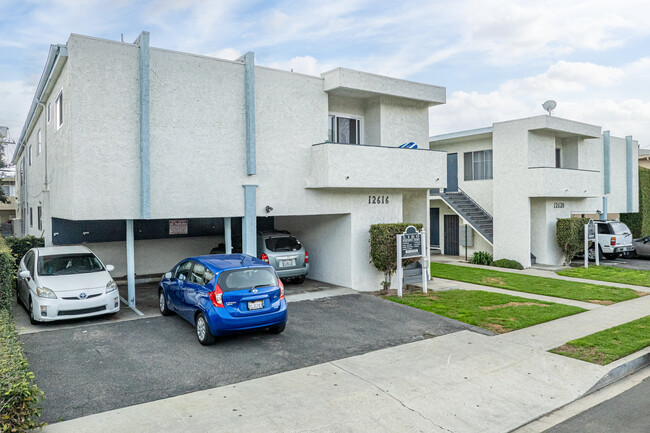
110	268
25	274
645	242
168	275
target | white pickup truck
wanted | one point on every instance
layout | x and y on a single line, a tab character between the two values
614	239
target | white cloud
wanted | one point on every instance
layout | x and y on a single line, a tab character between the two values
15	98
613	98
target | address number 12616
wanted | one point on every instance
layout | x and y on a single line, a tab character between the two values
377	199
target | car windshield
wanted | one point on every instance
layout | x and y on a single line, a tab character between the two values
619	228
247	278
67	264
284	243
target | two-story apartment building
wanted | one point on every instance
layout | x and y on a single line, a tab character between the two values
509	183
149	155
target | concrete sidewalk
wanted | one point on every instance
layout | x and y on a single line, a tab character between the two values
462	382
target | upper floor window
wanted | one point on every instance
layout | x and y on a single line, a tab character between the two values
344	129
58	107
478	165
40	217
39	140
31	217
9	190
558	157
49	112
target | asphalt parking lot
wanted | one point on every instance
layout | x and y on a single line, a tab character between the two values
91	369
623	262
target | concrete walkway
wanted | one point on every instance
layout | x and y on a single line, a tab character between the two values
546	272
462	382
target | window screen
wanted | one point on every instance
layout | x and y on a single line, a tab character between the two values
478	165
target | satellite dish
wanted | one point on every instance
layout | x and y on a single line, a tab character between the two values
549	106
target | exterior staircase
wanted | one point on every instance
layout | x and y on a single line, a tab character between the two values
467	208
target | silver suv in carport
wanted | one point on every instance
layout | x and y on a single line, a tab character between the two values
285	253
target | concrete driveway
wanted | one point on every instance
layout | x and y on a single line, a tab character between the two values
90	369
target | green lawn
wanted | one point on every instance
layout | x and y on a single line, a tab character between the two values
611	344
494	311
611	274
530	284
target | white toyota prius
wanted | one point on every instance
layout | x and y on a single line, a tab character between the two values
56	283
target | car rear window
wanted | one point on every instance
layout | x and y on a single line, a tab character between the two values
67	264
247	278
284	243
619	228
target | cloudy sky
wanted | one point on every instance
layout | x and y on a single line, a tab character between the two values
498	59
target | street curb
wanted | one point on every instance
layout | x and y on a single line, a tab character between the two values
618	373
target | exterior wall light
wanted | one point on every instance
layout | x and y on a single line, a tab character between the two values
268	209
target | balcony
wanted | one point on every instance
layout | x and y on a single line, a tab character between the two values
334	165
564	182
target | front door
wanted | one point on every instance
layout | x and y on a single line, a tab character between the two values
452	172
434	226
451	235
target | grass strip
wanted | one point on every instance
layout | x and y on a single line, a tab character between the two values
575	290
611	344
494	311
609	273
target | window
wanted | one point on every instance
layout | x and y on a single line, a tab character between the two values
59	110
31	217
478	165
346	130
183	270
558	158
29	262
247	278
197	274
30	155
39	138
68	264
49	113
603	229
39	213
9	190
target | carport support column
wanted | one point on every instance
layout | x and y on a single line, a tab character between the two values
227	234
130	263
603	216
249	226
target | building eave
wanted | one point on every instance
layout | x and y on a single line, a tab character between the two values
57	55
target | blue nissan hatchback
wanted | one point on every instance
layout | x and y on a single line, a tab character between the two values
223	294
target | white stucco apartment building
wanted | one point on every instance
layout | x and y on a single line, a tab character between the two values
124	141
509	183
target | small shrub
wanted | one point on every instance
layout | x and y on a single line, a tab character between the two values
19	395
507	263
481	258
570	236
383	247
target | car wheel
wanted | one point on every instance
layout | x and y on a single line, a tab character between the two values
30	310
592	255
299	280
162	303
203	331
278	329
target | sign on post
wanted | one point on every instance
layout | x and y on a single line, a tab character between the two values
590	235
410	245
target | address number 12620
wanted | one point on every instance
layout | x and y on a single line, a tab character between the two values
377	199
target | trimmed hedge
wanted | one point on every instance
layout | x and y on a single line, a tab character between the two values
19	396
639	222
383	247
7	275
481	258
570	236
507	263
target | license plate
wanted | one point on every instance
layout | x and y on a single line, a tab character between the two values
287	263
256	305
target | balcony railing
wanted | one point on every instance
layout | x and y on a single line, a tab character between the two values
335	165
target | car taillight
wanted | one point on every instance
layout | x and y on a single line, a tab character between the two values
612	241
264	258
306	257
216	296
281	286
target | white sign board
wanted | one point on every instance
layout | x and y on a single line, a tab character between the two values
177	227
410	244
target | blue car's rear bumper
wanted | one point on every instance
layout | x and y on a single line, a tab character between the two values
221	322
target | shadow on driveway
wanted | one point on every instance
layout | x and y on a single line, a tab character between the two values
91	369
